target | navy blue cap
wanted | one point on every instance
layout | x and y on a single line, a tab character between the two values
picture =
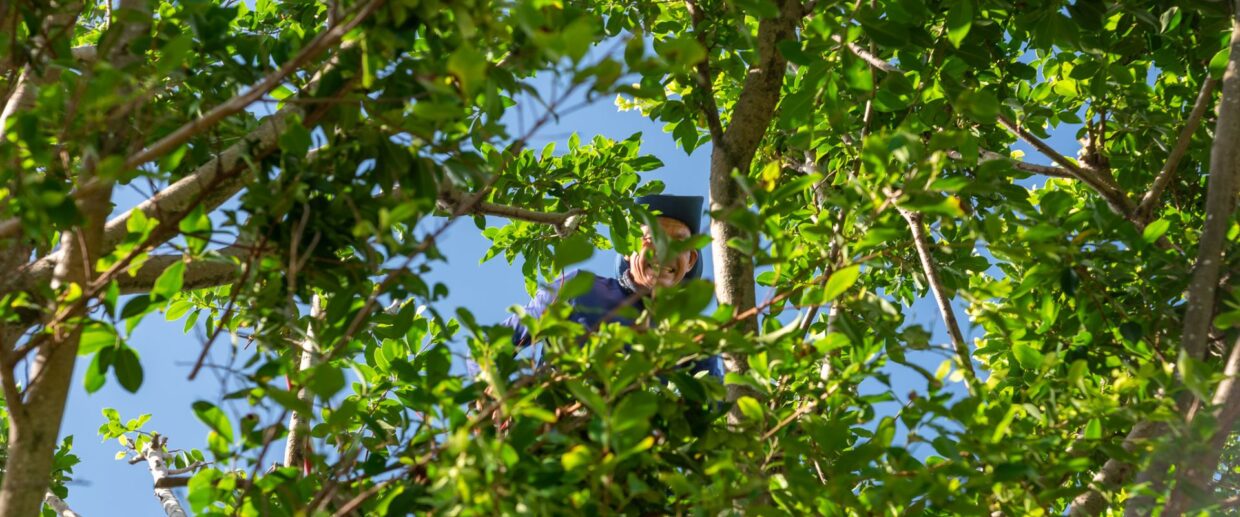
686	209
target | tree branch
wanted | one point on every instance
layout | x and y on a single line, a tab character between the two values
210	185
1115	472
705	78
297	447
1224	178
157	462
216	269
59	506
1145	209
866	56
1045	170
1195	472
236	104
922	242
1095	179
454	202
1115	198
733	150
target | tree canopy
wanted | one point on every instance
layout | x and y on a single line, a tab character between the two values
302	158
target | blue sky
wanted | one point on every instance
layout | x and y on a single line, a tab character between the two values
106	486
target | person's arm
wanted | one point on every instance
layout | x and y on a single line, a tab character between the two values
535	307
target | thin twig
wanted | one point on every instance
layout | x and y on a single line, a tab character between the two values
922	242
1145	208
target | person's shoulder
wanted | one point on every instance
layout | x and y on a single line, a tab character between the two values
574	273
600	282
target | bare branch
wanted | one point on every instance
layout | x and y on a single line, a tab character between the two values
1224	178
210	185
215	269
172	482
922	242
1115	472
1196	471
987	156
866	56
1145	209
452	201
21	99
219	267
157	462
1095	179
297	446
59	506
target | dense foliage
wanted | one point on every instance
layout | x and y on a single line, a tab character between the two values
870	142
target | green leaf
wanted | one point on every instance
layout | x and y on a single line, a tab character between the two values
470	68
1028	357
579	284
884	32
1155	230
128	369
576	458
295	140
215	418
1170	19
979	105
96	373
1093	430
840	281
136	306
959	21
172	55
1218	63
96	337
587	396
177	309
169	282
635	411
682	51
571	250
326	380
750	407
287	399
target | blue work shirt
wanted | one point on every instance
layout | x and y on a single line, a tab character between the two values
603	300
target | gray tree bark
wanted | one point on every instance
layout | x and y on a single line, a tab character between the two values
1220	206
733	151
296	447
35	421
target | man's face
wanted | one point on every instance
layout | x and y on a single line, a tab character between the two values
649	269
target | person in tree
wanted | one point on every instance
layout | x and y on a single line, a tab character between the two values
638	275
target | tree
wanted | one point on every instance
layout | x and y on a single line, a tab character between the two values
861	158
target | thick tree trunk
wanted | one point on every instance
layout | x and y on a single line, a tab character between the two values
1196	469
35	423
752	114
